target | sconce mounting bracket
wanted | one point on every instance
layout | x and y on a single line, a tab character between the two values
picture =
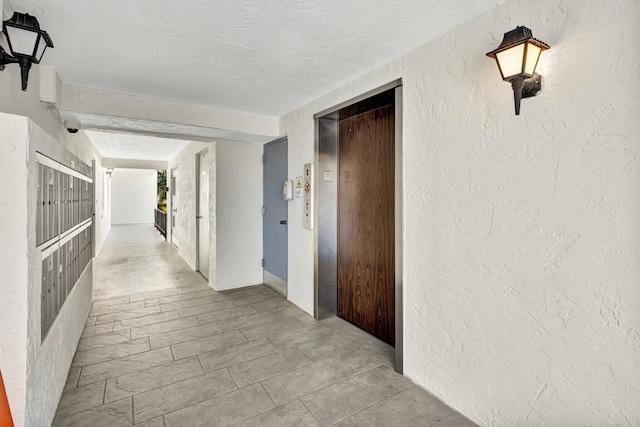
525	88
532	86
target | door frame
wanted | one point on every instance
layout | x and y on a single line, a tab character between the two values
276	283
321	311
198	158
173	188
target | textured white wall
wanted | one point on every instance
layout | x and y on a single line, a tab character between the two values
238	214
521	236
235	203
185	161
34	375
34	372
48	362
15	101
102	207
133	196
14	263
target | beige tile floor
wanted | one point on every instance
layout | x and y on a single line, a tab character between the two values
161	348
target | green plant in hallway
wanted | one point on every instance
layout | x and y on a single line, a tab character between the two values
162	190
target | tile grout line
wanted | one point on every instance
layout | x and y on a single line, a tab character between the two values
148	324
270	397
159	323
245	337
111	360
192	404
129	318
440	419
268	394
155	388
132	412
234	378
309	410
201	365
190	306
77	379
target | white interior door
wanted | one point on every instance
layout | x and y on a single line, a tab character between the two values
202	214
174	206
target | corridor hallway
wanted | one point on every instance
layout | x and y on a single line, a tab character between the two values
161	348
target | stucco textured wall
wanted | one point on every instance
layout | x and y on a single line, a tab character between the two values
34	371
238	214
185	161
521	234
235	202
48	361
15	101
14	263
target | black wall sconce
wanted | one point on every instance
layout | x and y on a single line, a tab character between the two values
517	58
27	43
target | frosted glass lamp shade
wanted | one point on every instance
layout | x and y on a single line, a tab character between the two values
518	54
517	58
27	43
25	37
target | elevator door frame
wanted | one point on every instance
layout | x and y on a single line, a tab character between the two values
325	232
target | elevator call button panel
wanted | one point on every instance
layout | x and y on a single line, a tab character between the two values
308	191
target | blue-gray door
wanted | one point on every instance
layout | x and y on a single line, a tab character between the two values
274	224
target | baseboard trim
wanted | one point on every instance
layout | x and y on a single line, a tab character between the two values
275	283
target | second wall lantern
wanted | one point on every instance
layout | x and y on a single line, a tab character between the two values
517	58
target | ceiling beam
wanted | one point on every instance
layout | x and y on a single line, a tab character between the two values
134	164
82	100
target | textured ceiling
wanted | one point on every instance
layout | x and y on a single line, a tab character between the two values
125	146
261	56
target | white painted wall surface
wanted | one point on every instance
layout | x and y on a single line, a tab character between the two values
235	207
48	362
27	104
15	101
14	263
34	372
185	161
34	376
133	196
238	214
521	237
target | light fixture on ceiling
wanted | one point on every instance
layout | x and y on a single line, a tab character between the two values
517	58
27	43
109	172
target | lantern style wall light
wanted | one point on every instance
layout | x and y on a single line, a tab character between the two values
27	43
517	58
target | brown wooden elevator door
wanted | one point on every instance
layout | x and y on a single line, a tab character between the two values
366	256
